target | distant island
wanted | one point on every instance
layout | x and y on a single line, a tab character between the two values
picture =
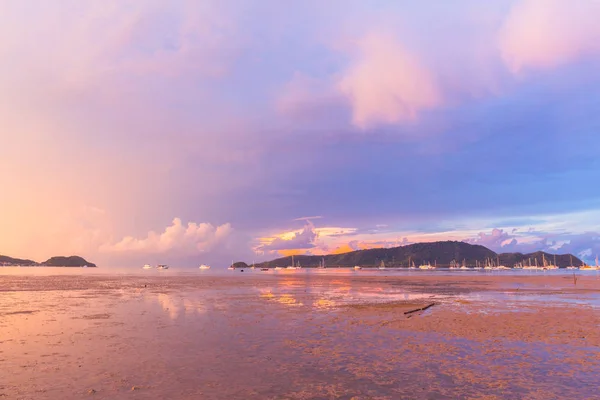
59	261
444	254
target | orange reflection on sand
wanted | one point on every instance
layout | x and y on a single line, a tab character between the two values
288	300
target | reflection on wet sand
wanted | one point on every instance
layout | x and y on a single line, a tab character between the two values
298	337
177	305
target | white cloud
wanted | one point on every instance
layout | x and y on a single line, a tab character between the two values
183	239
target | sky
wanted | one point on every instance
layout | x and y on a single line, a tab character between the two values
190	132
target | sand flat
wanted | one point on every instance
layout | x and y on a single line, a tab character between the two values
299	336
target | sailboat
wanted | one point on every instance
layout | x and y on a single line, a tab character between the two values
589	267
292	266
464	265
411	264
382	265
426	266
204	266
357	267
162	266
231	267
553	265
147	266
322	264
571	266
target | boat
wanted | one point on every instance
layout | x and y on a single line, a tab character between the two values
292	266
426	266
147	266
162	266
357	267
203	266
231	266
382	265
589	267
322	264
571	266
264	269
278	268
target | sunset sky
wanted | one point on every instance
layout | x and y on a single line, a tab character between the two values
189	132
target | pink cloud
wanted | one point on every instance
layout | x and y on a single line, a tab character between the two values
548	33
387	84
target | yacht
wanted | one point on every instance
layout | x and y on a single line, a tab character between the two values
294	265
322	264
589	267
278	268
571	266
357	267
203	266
147	266
162	266
382	265
426	266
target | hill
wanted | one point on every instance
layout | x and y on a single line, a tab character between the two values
440	253
6	260
72	261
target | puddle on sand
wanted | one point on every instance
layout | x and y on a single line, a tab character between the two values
517	300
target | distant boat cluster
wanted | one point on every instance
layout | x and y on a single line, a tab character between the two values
487	264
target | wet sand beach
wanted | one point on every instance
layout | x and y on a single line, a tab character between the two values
299	336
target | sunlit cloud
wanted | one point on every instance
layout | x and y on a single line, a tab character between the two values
540	34
387	84
191	238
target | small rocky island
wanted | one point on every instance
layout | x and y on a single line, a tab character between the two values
58	261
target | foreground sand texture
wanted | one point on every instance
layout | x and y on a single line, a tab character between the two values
299	336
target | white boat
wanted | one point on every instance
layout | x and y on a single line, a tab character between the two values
147	266
426	266
278	268
231	267
572	267
162	266
357	267
322	264
203	266
292	266
589	267
382	265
